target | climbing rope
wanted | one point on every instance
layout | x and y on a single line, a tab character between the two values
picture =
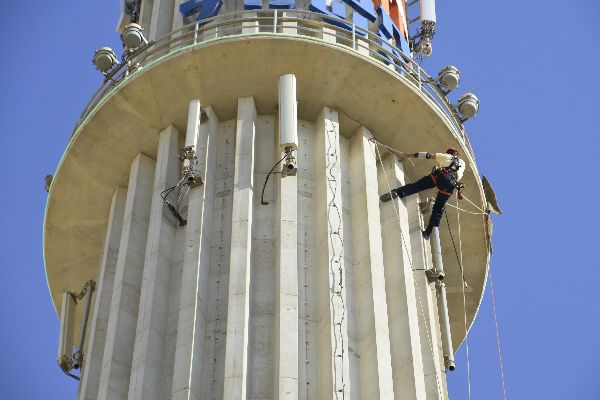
466	211
397	212
459	259
460	263
400	154
497	333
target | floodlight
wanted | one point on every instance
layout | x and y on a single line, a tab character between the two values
449	77
104	59
133	36
468	105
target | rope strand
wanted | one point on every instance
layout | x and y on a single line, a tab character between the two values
497	334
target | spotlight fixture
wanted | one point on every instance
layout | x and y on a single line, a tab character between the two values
467	106
449	78
104	59
133	36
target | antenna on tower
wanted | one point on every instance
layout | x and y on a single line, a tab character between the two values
67	360
421	42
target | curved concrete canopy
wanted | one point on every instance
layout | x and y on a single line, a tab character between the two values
128	120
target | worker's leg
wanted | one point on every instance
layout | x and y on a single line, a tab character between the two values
436	213
424	183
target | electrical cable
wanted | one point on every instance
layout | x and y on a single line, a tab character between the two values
262	195
164	194
335	259
71	375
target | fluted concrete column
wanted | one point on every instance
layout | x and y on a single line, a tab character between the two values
334	367
88	389
286	351
374	341
403	310
307	326
120	337
151	328
161	21
433	360
189	351
236	348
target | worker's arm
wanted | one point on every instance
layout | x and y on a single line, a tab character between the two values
422	155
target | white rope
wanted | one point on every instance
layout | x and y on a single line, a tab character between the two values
398	152
466	211
474	205
462	271
396	211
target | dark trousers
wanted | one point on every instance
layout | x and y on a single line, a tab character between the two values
445	184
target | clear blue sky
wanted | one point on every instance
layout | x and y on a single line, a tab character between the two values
532	64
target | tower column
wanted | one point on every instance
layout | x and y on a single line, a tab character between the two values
433	360
374	340
190	346
88	389
287	290
236	348
120	335
403	311
149	346
334	368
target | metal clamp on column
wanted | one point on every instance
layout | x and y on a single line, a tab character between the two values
439	268
434	274
190	171
289	168
67	360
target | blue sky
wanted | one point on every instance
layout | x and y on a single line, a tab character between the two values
532	64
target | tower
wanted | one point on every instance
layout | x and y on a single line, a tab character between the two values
217	208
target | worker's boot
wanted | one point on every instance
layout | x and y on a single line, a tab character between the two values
394	193
427	233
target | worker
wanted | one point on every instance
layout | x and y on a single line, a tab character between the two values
446	177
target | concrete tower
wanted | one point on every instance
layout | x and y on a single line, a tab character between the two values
205	280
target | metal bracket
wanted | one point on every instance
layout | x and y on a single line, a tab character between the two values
89	285
434	275
190	170
449	364
289	168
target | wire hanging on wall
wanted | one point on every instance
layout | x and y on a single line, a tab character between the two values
337	273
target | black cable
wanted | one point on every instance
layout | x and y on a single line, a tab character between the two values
164	196
262	195
71	375
172	209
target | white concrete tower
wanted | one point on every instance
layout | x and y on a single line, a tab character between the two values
222	191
